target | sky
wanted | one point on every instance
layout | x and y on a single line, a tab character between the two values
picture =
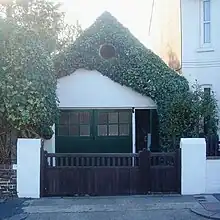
134	14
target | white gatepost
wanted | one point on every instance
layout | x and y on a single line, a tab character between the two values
193	166
28	168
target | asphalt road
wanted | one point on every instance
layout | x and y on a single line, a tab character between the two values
124	215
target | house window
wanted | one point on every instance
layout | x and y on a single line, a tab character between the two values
113	123
207	91
206	21
206	88
74	123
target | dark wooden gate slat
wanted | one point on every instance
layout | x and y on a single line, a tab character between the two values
119	161
77	161
103	161
82	161
113	161
51	161
72	161
61	161
92	161
98	161
109	174
67	161
108	161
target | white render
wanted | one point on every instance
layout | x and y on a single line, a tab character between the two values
28	168
201	61
212	177
193	165
199	175
90	89
177	36
133	133
86	89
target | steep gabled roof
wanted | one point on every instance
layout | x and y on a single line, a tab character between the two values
134	62
134	65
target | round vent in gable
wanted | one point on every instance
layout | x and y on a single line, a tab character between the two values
107	51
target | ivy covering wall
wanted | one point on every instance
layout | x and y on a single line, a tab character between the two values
134	66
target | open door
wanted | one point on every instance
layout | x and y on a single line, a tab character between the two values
146	126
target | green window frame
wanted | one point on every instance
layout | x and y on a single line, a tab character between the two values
74	123
113	123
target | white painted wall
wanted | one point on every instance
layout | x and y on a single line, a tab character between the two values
198	61
133	132
193	164
90	89
212	176
28	168
192	48
198	174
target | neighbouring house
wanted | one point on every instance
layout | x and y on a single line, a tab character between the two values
185	34
110	87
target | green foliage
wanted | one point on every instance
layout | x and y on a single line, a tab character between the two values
28	83
191	114
31	32
139	68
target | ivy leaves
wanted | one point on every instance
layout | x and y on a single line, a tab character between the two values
142	70
28	83
31	32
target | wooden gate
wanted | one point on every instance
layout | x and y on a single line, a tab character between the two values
65	174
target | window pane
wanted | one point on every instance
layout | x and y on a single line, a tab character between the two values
84	117
74	118
207	91
84	130
63	130
113	130
102	118
124	117
113	117
102	130
124	130
206	10
64	118
74	130
207	33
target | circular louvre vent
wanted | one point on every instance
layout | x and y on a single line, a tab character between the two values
107	51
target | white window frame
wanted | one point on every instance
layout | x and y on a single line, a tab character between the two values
203	22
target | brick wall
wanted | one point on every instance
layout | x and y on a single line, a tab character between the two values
7	181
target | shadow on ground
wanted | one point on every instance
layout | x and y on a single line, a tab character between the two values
11	207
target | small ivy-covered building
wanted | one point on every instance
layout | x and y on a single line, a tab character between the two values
113	92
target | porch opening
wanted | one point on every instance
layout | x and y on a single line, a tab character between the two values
146	129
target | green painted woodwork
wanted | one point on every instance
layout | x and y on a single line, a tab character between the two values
72	142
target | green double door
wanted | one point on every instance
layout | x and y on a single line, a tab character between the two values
94	131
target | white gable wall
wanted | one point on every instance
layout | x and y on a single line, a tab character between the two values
90	89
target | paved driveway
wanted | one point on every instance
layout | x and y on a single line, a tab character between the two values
99	208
